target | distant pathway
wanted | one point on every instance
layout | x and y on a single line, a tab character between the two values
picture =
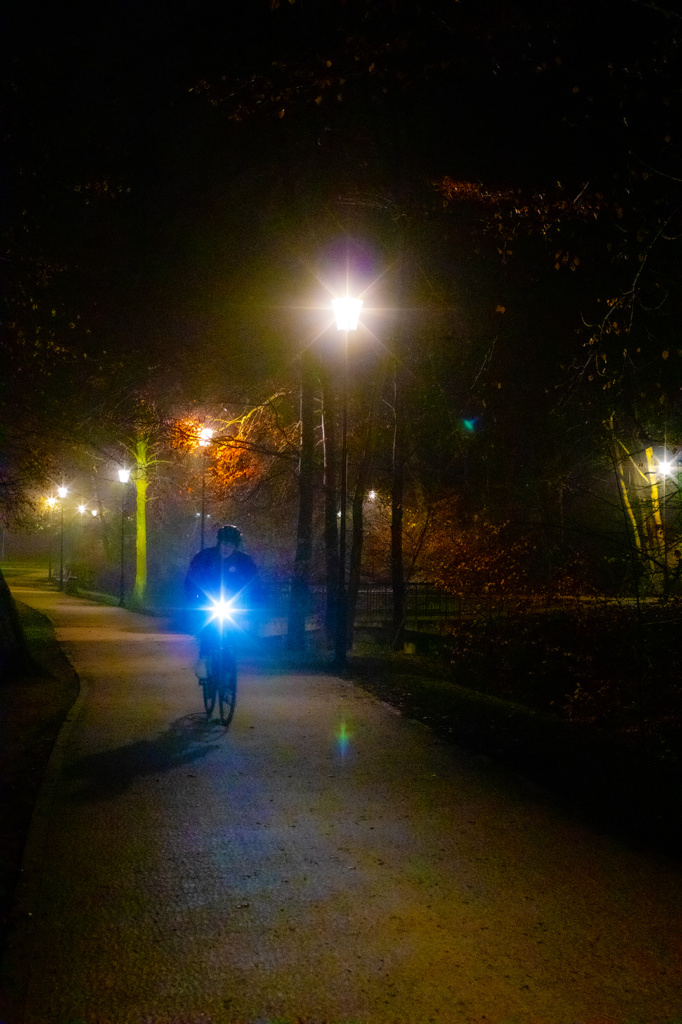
324	860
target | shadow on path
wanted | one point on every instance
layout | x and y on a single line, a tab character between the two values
112	772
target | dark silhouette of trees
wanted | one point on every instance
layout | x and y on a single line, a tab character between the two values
173	233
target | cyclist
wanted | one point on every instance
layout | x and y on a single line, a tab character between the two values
221	572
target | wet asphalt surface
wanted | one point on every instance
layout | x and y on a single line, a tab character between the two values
321	860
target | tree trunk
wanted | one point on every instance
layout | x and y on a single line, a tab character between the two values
141	478
300	583
331	520
358	532
659	568
648	535
397	568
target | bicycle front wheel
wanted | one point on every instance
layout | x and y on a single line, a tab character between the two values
210	690
210	684
227	690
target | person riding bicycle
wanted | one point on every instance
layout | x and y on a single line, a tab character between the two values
219	573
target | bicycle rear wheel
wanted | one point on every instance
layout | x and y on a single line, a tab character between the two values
227	689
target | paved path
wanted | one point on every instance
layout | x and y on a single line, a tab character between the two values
323	860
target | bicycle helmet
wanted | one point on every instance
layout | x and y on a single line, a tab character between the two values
229	535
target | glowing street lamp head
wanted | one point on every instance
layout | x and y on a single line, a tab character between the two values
205	435
666	467
93	512
81	509
51	501
124	475
347	313
62	491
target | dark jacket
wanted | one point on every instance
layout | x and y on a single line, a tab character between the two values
210	576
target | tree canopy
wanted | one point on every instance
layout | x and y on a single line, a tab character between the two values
187	187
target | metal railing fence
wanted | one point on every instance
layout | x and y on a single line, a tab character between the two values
375	603
431	607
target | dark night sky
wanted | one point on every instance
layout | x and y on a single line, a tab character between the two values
522	94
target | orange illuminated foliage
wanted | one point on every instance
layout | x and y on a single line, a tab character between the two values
510	213
236	461
185	435
451	552
253	443
242	449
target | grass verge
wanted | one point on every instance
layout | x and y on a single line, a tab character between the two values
32	710
618	785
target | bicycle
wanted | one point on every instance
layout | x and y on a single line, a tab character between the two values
221	660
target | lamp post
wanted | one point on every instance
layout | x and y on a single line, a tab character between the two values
62	492
205	435
347	314
81	512
50	502
124	477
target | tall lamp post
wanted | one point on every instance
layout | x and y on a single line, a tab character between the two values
205	435
347	314
81	512
124	477
62	492
50	502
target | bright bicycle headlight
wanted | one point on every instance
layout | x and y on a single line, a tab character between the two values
224	610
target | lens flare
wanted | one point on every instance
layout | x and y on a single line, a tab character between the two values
343	737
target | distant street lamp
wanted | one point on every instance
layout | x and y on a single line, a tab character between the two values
205	435
124	477
347	314
62	492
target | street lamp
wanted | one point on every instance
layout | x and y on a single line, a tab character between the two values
62	492
124	477
205	435
347	314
